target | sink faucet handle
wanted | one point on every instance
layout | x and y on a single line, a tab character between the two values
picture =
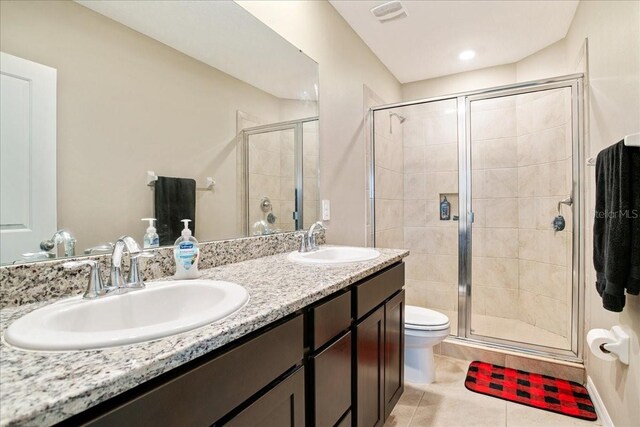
95	287
135	281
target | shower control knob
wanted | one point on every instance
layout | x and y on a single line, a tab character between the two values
558	223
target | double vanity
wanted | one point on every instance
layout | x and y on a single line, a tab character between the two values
293	338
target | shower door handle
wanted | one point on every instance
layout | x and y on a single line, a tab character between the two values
472	217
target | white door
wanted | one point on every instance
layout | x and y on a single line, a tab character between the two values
27	156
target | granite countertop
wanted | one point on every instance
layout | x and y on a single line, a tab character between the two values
38	388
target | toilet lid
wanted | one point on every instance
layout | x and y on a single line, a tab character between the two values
423	318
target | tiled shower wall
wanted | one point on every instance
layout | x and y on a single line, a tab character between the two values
431	169
310	166
389	169
494	163
271	174
544	178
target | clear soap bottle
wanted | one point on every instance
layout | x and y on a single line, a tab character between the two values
151	238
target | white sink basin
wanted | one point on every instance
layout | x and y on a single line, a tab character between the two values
334	255
159	310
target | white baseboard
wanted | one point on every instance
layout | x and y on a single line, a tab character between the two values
601	410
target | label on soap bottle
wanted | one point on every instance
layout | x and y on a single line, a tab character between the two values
187	254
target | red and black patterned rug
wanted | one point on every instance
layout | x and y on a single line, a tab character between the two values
539	391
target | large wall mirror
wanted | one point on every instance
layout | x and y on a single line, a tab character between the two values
103	101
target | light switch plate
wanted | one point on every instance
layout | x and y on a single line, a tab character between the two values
326	210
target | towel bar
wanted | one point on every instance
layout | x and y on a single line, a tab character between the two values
632	140
210	182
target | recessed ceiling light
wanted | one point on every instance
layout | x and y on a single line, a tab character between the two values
466	55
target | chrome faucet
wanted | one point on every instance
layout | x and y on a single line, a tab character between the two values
96	287
308	242
134	281
61	236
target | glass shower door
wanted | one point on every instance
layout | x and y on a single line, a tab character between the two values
415	182
271	182
521	151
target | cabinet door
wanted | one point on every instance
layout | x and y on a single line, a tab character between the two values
211	390
332	382
370	370
393	352
282	406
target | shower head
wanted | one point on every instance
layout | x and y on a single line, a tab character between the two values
401	118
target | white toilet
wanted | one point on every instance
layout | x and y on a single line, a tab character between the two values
423	328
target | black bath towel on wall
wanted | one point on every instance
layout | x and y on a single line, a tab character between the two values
616	228
175	199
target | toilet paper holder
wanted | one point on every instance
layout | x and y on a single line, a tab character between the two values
619	345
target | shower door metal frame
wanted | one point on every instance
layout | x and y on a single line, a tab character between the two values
298	140
463	100
465	300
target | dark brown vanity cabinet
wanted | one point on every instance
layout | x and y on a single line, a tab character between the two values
393	352
338	362
379	346
330	361
212	389
370	369
282	406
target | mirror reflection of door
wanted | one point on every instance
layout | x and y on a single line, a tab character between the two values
27	156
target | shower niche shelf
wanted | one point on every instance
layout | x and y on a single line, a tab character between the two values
452	198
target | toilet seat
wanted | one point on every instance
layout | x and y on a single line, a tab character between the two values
423	319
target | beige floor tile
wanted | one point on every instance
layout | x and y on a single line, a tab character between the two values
447	403
526	416
401	416
457	406
412	395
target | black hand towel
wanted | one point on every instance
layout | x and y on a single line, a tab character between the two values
175	199
616	228
633	282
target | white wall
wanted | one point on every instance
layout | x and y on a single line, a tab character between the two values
461	82
613	31
346	64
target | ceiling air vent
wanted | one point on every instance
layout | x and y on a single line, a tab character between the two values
389	11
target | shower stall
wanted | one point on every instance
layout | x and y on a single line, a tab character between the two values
278	169
484	189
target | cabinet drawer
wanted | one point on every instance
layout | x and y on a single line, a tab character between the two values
282	406
376	290
208	392
330	319
332	382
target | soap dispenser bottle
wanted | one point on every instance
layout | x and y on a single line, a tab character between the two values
445	210
151	238
186	254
